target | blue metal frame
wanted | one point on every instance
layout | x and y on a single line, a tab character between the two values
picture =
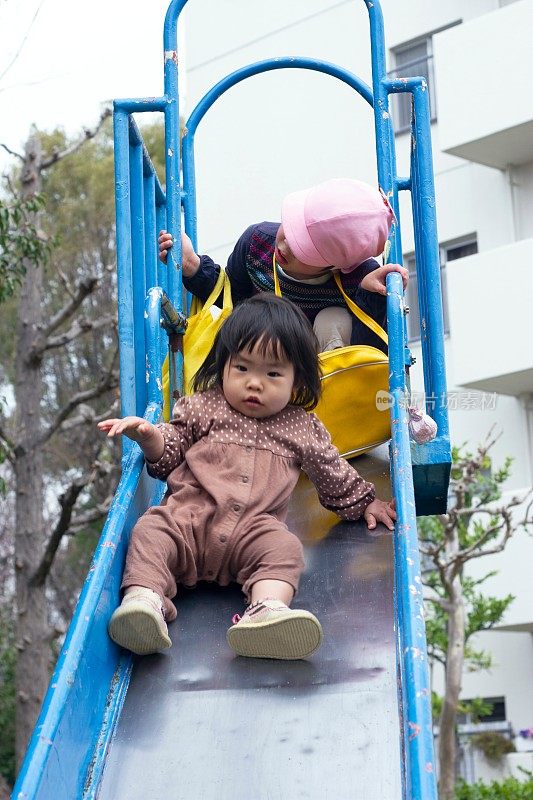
203	106
140	203
67	750
414	686
91	676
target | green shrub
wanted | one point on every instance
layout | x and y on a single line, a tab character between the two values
493	745
510	789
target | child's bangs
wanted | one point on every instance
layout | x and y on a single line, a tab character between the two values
267	345
255	335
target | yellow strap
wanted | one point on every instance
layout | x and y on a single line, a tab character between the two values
360	314
222	281
277	290
354	308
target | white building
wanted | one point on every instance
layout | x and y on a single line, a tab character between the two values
288	129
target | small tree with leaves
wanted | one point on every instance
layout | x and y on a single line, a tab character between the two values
479	523
21	242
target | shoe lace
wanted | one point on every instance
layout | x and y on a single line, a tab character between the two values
235	619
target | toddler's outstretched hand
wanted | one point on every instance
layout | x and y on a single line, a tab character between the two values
375	281
380	511
147	435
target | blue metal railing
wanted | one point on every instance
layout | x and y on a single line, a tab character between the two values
203	106
141	212
414	686
92	673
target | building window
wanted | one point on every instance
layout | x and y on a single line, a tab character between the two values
497	713
448	252
412	60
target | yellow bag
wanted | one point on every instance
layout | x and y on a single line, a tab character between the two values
202	327
351	379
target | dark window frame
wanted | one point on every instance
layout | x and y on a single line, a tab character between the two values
448	251
401	104
498	713
412	67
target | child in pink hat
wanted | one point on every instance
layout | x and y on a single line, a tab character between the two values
340	225
337	224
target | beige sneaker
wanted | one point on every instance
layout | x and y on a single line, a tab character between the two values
138	623
270	629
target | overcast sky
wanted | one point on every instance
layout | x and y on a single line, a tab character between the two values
61	59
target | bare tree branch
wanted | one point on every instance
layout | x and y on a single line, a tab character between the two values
110	381
89	417
25	84
491	550
84	288
491	510
82	520
433	551
438	601
440	659
506	522
12	152
67	502
23	41
510	529
80	326
9	446
88	133
67	524
493	530
66	283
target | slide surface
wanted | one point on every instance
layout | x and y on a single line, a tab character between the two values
199	722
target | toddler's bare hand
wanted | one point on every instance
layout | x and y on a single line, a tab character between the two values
147	435
380	511
165	241
190	260
135	428
376	281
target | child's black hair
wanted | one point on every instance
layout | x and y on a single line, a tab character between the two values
278	325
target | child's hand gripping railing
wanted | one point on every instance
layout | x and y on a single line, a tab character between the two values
414	687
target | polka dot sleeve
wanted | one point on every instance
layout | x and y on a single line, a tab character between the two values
340	487
179	434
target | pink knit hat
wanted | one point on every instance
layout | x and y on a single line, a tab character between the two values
339	223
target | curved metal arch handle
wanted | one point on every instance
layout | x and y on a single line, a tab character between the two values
270	64
203	106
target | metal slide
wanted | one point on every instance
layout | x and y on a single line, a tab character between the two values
199	722
353	722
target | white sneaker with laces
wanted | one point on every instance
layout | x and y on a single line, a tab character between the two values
138	623
270	629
